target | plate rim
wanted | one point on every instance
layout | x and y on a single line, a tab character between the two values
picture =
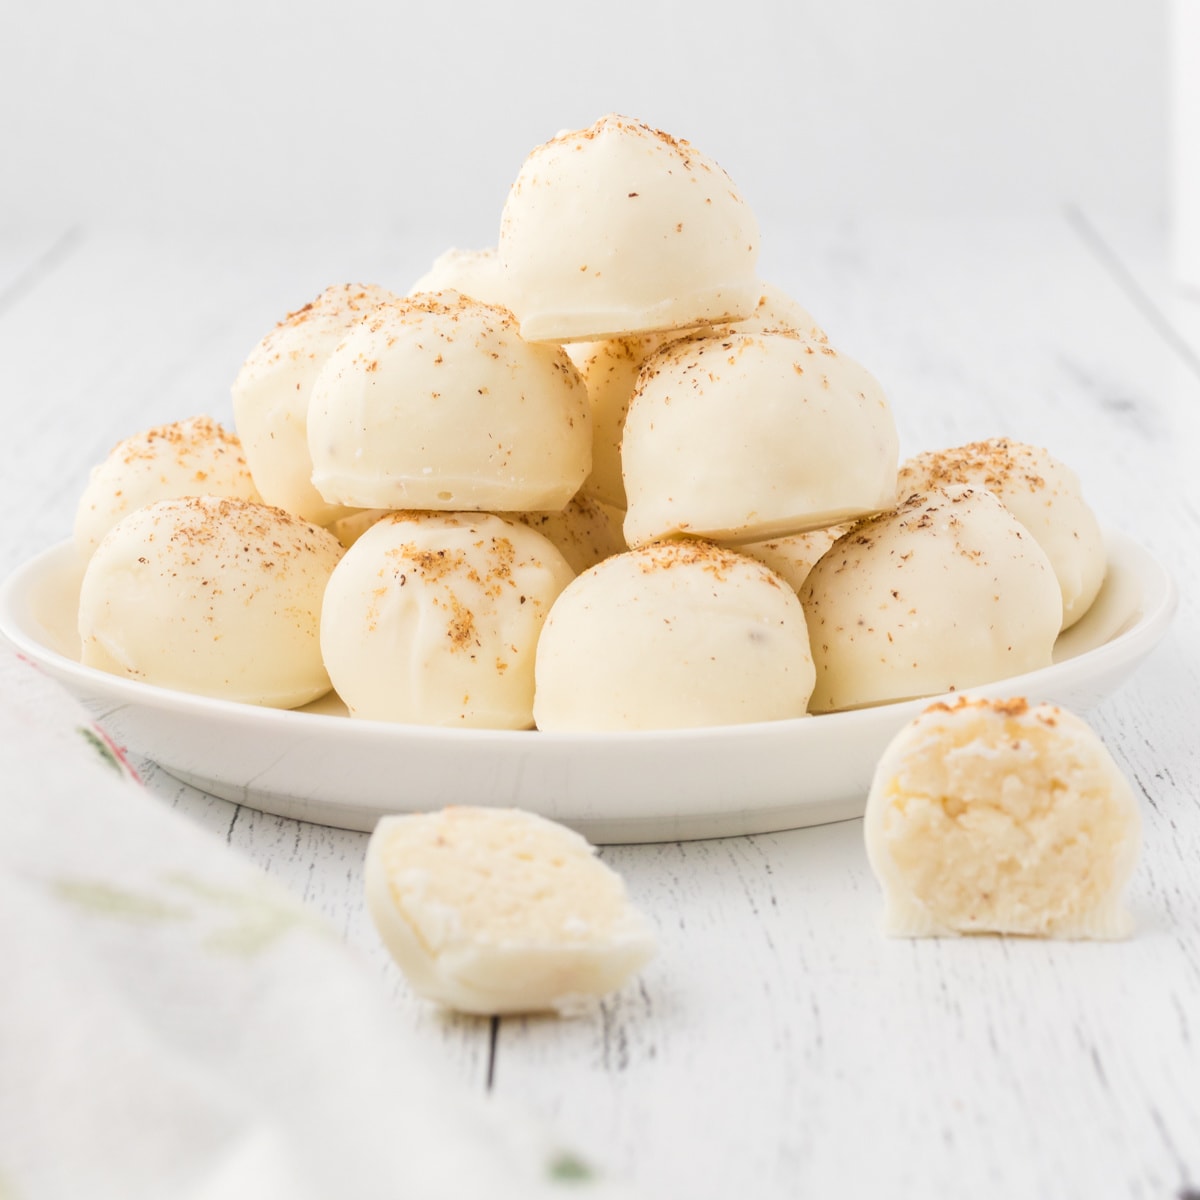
613	787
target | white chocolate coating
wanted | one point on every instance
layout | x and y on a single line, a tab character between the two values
1041	492
743	437
610	372
621	229
350	528
215	596
196	457
777	310
1001	817
671	636
474	273
947	592
436	402
500	911
272	391
433	619
793	557
585	532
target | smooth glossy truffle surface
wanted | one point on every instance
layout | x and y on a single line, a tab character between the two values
214	596
474	273
585	531
196	457
436	402
947	592
1041	492
749	436
433	619
495	911
1000	816
619	229
272	391
671	636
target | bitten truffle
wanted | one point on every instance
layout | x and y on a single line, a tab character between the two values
1000	816
494	911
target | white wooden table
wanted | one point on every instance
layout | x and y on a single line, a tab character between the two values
778	1045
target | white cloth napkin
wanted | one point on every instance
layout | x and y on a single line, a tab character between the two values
173	1024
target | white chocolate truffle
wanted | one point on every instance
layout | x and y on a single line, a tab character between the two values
621	229
196	457
474	273
1041	492
272	391
744	437
436	402
433	619
585	532
214	596
997	816
671	636
793	557
493	911
947	592
610	370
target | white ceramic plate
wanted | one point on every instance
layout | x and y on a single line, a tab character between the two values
317	765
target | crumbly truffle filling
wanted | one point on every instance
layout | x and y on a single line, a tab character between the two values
1002	825
463	875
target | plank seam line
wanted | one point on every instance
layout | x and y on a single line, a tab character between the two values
493	1040
40	268
1125	279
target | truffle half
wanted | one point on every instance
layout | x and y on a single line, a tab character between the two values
1000	816
500	911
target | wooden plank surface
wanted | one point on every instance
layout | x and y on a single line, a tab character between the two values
778	1045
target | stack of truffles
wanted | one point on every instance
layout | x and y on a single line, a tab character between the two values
580	480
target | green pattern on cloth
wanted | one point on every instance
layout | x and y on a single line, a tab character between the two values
107	899
176	1023
102	748
566	1167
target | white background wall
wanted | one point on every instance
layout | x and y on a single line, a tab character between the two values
308	112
